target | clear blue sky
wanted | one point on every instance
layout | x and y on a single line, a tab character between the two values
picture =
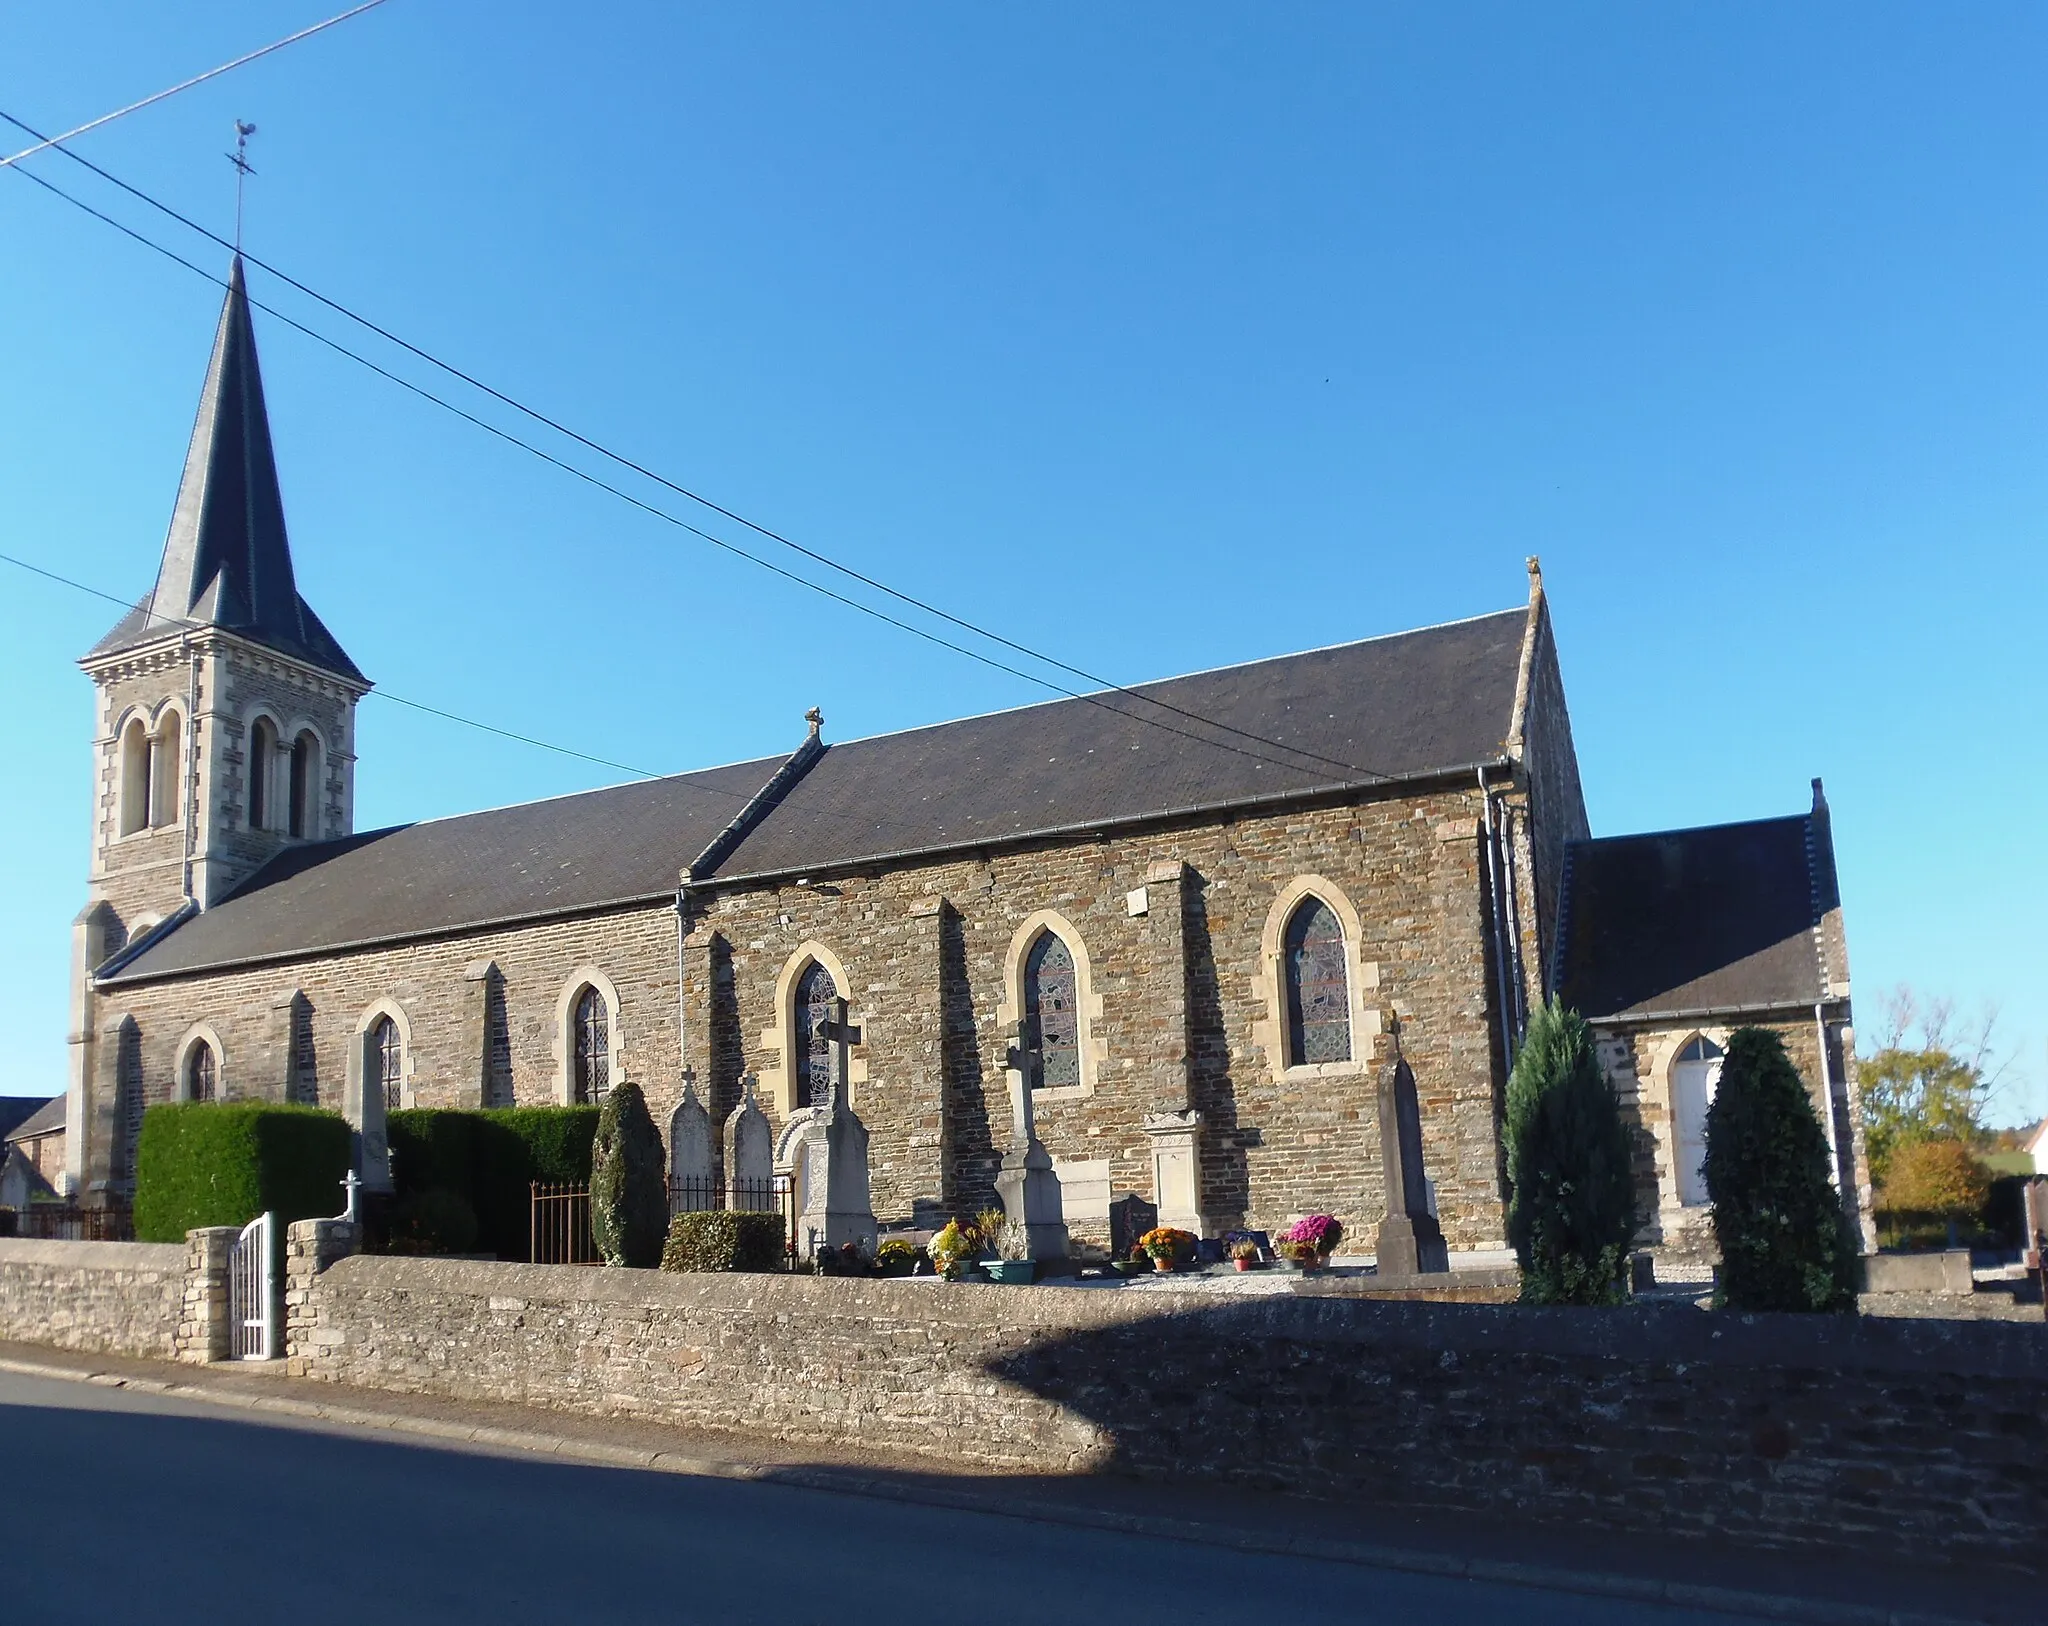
1166	336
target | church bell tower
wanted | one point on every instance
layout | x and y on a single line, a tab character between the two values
225	710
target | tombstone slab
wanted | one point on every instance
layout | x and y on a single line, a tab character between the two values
1176	1139
692	1162
749	1155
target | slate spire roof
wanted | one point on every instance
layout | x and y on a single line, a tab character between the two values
227	561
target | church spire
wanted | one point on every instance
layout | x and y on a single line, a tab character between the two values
227	562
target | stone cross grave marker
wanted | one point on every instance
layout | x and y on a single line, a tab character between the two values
1027	1184
1410	1241
838	1207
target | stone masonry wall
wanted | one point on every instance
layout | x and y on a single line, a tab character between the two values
1774	1429
109	1298
930	1073
1182	1008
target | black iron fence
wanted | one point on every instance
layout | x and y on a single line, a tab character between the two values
66	1222
772	1196
559	1229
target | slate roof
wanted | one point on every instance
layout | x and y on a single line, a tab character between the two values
1688	921
227	562
1405	706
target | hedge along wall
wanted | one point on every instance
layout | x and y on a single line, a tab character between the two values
111	1298
490	1159
1784	1430
204	1163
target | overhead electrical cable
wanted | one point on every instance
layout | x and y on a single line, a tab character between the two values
1105	684
44	143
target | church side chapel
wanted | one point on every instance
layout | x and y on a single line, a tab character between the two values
1057	949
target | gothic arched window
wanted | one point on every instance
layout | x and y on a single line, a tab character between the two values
1052	1013
262	758
134	798
202	1073
592	1072
166	778
1318	994
815	992
304	790
1694	1074
128	1107
386	1056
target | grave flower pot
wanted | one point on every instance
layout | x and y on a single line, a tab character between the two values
1130	1267
1011	1272
1165	1261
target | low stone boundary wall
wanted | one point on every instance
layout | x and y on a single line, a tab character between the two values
108	1298
1777	1429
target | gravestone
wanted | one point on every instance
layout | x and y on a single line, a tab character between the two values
749	1155
1026	1184
1410	1241
1176	1139
692	1164
837	1205
1130	1217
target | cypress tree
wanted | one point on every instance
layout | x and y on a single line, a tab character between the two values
1780	1226
1572	1216
628	1190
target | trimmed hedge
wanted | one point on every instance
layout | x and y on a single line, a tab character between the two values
490	1159
721	1239
205	1163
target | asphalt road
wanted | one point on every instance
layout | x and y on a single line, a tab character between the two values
137	1507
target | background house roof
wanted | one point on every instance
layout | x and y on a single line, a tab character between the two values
1719	918
22	1114
1398	707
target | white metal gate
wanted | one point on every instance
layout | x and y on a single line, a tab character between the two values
252	1291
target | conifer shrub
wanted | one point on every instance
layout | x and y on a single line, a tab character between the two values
628	1183
722	1240
1779	1223
203	1163
1572	1216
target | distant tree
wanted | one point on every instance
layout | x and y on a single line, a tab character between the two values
1928	1079
628	1190
1779	1222
1572	1216
1940	1177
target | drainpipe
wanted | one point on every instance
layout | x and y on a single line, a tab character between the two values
1500	956
1520	979
190	766
682	993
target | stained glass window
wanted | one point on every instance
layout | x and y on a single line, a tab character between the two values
1318	999
1052	1013
387	1063
593	1048
203	1072
128	1109
815	992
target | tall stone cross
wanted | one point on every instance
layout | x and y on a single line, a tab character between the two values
1024	1053
842	1035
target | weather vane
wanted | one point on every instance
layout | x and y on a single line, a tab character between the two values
243	170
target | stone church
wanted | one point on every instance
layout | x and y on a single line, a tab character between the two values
1203	905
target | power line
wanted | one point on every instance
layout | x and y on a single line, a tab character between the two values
717	541
385	694
44	143
628	463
